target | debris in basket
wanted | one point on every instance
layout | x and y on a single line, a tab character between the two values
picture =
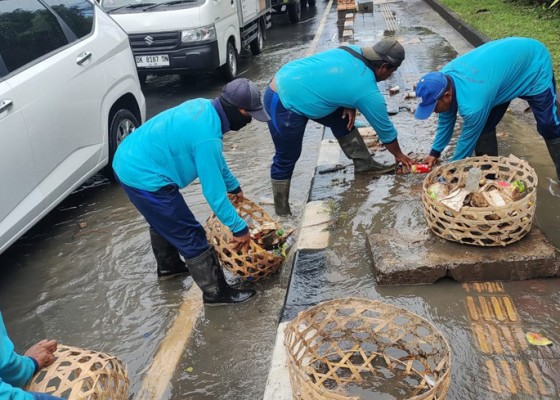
268	236
537	340
476	191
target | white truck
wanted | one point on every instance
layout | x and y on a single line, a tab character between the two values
191	36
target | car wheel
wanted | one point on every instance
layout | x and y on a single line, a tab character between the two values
122	124
311	3
229	69
294	12
257	45
303	3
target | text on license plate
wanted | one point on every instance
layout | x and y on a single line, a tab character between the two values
152	61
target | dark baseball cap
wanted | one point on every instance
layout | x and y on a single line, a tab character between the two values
430	88
243	93
388	50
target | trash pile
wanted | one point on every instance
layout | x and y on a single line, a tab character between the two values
477	191
270	237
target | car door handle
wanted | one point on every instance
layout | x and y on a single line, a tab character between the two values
5	105
83	57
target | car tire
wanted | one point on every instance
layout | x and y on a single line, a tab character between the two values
303	3
257	45
311	3
229	69
294	12
122	124
142	77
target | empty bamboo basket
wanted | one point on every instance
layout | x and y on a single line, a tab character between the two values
483	226
255	264
82	374
357	348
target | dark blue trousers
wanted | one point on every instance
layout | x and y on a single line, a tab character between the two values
287	129
544	107
168	214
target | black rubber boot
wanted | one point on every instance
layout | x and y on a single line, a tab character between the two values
169	263
355	148
487	144
208	275
281	193
554	150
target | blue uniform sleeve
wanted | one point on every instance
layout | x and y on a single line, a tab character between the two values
473	124
446	123
15	369
215	178
374	109
7	391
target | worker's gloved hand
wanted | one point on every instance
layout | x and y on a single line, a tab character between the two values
42	352
44	396
241	243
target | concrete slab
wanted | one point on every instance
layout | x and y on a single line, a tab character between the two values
400	259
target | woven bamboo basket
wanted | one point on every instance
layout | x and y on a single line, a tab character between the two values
483	226
82	374
255	264
357	348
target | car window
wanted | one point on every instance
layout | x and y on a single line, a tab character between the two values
27	31
78	15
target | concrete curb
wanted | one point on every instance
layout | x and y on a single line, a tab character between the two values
473	36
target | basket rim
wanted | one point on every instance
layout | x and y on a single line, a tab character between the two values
371	302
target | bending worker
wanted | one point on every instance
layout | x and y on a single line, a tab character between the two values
480	85
169	152
328	88
16	370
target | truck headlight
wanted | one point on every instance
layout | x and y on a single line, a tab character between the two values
202	34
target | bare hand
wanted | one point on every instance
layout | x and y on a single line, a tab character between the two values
351	115
405	161
241	243
42	352
236	198
431	161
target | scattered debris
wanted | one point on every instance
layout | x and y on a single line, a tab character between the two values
537	340
394	90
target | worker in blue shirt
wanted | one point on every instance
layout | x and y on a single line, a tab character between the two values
16	370
169	152
328	88
480	85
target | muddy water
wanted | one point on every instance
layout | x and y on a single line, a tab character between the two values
85	275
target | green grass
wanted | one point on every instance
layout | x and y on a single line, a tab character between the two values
504	18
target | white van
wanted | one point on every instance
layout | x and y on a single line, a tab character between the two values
191	36
69	94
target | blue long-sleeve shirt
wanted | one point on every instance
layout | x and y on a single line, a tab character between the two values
316	86
177	146
15	370
492	74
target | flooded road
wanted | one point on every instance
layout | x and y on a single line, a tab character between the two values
86	276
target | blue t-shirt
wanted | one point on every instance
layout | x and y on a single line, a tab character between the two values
15	370
174	148
316	86
492	74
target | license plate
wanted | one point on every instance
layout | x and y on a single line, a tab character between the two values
152	61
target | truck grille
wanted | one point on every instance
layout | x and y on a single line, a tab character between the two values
161	41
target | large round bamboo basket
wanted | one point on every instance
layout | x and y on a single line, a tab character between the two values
82	374
355	348
255	264
483	226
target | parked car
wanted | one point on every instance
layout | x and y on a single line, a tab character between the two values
69	94
191	36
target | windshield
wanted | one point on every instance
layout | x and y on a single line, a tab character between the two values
123	5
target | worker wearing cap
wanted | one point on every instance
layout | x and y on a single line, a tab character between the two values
169	152
480	85
328	88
